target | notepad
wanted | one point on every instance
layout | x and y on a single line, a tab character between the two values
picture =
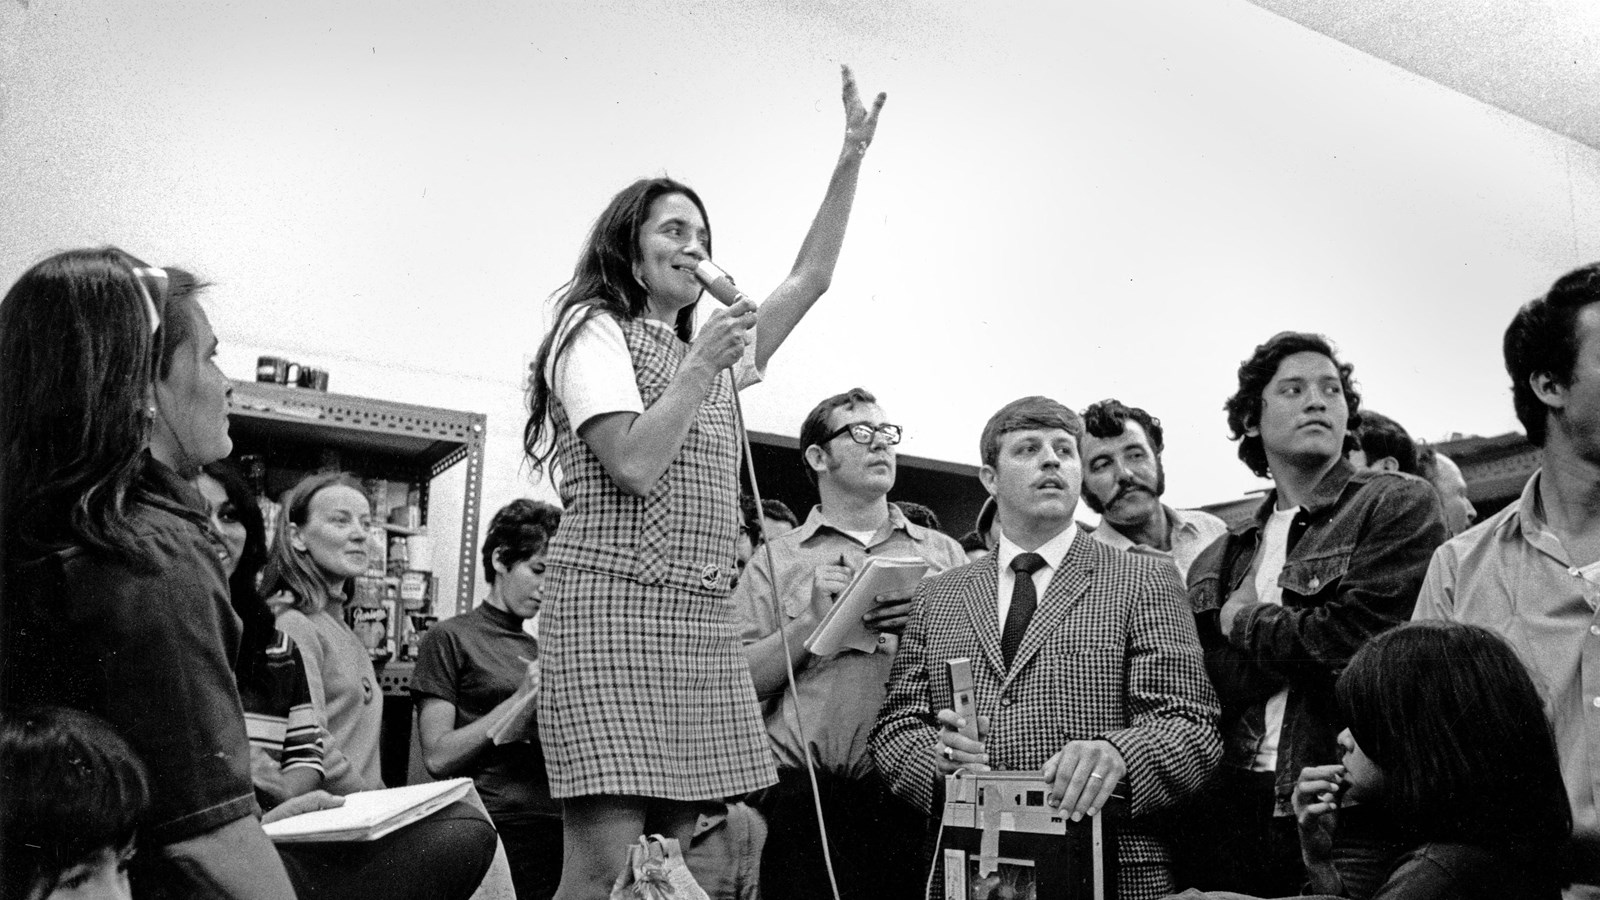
842	627
369	815
518	724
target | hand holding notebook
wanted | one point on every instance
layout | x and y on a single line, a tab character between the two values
842	628
369	815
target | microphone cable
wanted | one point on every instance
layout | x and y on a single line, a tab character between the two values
783	635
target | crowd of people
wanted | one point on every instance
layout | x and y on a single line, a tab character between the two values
1351	691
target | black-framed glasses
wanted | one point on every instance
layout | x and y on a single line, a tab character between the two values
863	432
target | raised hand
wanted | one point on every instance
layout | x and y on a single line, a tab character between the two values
859	124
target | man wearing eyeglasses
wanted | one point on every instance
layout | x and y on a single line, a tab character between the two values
848	447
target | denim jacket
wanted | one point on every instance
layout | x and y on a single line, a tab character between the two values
1357	552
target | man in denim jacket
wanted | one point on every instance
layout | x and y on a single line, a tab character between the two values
1333	556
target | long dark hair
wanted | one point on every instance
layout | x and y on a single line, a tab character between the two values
72	788
288	569
77	365
248	603
1450	715
603	281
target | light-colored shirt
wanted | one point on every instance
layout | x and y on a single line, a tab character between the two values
595	372
1189	531
839	695
1274	553
345	693
1511	575
1053	551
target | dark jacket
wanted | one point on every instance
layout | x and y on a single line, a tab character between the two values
1358	551
148	647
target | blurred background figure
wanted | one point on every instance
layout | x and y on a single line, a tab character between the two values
1383	444
777	519
1445	476
917	514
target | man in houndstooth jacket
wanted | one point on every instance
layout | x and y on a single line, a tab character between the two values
1106	684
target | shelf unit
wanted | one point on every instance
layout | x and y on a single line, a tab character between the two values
298	431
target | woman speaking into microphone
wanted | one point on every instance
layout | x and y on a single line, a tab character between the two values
646	709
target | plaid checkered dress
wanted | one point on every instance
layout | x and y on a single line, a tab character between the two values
646	691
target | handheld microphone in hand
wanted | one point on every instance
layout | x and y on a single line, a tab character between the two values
719	284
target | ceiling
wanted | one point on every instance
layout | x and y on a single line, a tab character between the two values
1537	59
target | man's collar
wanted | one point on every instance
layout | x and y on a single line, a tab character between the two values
1529	516
1176	522
818	520
1053	550
1327	492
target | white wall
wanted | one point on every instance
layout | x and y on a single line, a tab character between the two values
1078	199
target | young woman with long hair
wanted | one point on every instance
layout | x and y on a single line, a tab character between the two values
321	543
443	856
1449	745
116	604
646	705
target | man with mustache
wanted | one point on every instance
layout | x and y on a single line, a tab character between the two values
1333	556
1085	663
1123	480
848	446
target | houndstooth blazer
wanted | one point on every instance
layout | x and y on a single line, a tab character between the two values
1111	653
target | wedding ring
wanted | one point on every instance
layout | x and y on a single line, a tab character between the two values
949	753
1095	775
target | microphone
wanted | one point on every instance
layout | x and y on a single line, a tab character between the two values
718	283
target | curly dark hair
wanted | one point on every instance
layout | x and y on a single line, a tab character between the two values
1255	373
1109	418
1542	339
520	530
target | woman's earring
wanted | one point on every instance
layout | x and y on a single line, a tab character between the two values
150	413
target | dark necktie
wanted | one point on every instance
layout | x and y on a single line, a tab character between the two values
1023	600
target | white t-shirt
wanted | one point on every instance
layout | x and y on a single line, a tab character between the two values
1274	552
595	373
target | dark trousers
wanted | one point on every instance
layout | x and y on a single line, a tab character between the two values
1227	839
876	839
442	857
533	849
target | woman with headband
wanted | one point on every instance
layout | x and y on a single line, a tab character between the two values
116	604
